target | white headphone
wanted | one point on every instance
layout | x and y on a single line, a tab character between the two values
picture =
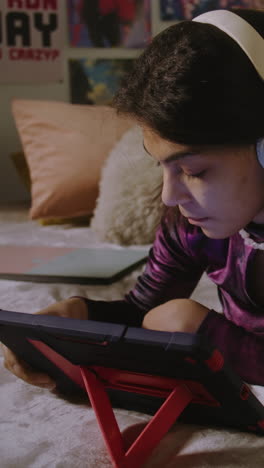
250	41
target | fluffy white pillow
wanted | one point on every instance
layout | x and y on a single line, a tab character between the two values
129	206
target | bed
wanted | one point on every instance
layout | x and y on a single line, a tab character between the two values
40	429
72	171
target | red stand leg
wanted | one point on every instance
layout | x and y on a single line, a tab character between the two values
145	443
105	416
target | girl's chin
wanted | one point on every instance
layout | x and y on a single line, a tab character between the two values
218	233
214	234
210	234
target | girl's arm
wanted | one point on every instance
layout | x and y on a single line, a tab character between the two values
171	272
242	349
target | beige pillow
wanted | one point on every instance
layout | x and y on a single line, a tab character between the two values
65	146
129	206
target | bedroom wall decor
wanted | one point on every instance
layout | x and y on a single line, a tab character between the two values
104	23
96	81
31	41
188	9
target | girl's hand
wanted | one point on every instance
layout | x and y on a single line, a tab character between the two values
178	315
69	308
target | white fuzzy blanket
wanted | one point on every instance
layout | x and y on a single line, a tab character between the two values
40	430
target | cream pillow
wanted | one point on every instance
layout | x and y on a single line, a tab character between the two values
129	206
65	146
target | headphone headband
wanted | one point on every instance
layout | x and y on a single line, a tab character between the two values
241	31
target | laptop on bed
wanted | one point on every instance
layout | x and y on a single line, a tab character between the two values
69	264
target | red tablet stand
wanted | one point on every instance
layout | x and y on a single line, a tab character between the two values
157	427
96	379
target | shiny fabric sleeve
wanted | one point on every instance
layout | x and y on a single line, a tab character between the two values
243	350
172	271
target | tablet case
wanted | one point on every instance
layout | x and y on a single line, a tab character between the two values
170	375
68	264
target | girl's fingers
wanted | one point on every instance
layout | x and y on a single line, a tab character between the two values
73	307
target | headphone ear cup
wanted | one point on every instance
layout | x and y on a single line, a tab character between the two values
260	151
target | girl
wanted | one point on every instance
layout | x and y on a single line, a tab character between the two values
198	93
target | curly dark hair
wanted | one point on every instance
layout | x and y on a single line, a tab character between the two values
194	85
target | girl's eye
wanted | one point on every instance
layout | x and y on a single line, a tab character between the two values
179	170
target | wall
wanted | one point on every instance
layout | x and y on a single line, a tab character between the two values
11	188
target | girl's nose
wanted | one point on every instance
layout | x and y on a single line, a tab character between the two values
174	191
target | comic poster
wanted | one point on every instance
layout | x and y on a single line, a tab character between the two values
188	9
96	81
109	23
31	41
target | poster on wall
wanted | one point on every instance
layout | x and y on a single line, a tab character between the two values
31	41
188	9
96	81
109	23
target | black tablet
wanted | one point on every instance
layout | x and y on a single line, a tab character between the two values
138	368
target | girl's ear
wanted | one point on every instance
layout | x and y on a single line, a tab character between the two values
260	151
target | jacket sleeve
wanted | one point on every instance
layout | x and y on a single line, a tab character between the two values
243	350
171	272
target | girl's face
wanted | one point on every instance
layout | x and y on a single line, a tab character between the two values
219	188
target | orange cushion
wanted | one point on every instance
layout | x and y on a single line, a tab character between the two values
65	146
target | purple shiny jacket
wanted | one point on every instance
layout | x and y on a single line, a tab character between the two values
176	262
